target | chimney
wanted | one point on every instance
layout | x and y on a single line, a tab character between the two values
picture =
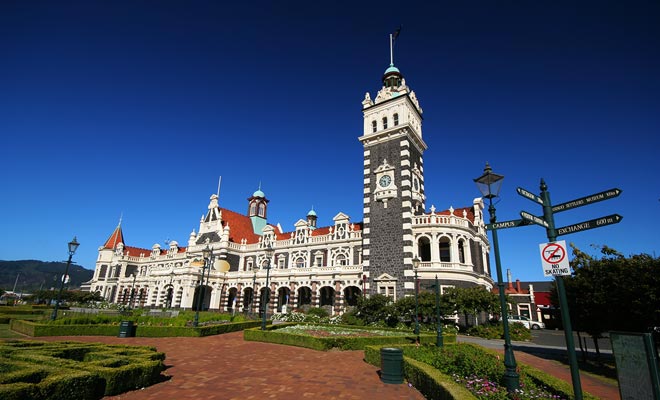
508	278
518	286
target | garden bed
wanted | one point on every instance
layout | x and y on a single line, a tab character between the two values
326	337
69	370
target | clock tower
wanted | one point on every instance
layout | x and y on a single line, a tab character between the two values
393	184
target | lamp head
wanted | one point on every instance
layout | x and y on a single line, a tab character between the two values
269	252
415	262
73	246
206	253
489	183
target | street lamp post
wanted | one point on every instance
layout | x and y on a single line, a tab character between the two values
170	291
254	282
269	255
130	302
439	342
206	255
73	246
415	267
489	184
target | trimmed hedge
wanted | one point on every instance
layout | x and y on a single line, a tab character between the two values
36	329
65	370
433	384
271	335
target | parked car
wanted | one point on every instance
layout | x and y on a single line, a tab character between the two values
528	323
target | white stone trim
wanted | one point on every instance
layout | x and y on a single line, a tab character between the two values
405	163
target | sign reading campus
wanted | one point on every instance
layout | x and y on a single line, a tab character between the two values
554	258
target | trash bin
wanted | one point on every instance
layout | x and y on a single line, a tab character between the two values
126	329
391	365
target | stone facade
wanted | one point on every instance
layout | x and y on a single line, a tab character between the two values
314	266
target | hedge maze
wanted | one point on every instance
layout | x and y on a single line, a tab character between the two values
71	370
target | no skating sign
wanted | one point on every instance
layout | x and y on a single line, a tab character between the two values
554	258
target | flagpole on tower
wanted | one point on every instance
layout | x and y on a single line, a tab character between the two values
391	50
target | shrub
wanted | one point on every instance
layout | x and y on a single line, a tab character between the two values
319	312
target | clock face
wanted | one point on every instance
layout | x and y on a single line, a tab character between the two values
385	181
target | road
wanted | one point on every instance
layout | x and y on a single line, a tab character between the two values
544	341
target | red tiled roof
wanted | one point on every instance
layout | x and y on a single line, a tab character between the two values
114	239
240	226
459	213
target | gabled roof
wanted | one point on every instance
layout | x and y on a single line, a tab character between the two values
114	239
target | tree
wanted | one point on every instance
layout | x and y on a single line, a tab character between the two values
612	292
375	309
472	301
426	307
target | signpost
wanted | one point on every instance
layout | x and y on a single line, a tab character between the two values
554	259
591	224
534	219
529	195
554	255
583	201
506	224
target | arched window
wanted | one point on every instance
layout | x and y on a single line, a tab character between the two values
384	122
374	126
424	249
445	252
341	260
461	251
253	209
300	262
396	119
262	210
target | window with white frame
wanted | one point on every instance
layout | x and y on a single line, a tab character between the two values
387	289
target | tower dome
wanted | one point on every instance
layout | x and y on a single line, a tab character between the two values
392	77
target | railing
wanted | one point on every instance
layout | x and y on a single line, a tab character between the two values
433	219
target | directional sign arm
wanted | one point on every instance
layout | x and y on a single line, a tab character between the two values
583	201
591	224
507	224
533	218
529	195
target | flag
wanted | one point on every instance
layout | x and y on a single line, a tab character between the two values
396	33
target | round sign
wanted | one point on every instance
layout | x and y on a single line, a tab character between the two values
553	253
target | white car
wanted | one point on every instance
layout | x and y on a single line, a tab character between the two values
528	323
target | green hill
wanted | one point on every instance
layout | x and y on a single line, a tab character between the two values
33	275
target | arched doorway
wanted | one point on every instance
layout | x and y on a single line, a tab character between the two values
304	297
232	299
351	295
327	298
248	300
169	296
264	302
206	298
283	299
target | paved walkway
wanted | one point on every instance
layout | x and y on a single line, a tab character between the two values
226	367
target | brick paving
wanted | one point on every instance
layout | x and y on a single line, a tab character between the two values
226	367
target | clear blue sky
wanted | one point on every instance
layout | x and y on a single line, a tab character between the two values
135	108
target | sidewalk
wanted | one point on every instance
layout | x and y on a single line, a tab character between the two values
226	367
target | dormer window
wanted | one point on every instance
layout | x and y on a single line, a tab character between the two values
262	210
384	122
253	209
396	119
374	126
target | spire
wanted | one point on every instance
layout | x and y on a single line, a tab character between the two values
116	238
